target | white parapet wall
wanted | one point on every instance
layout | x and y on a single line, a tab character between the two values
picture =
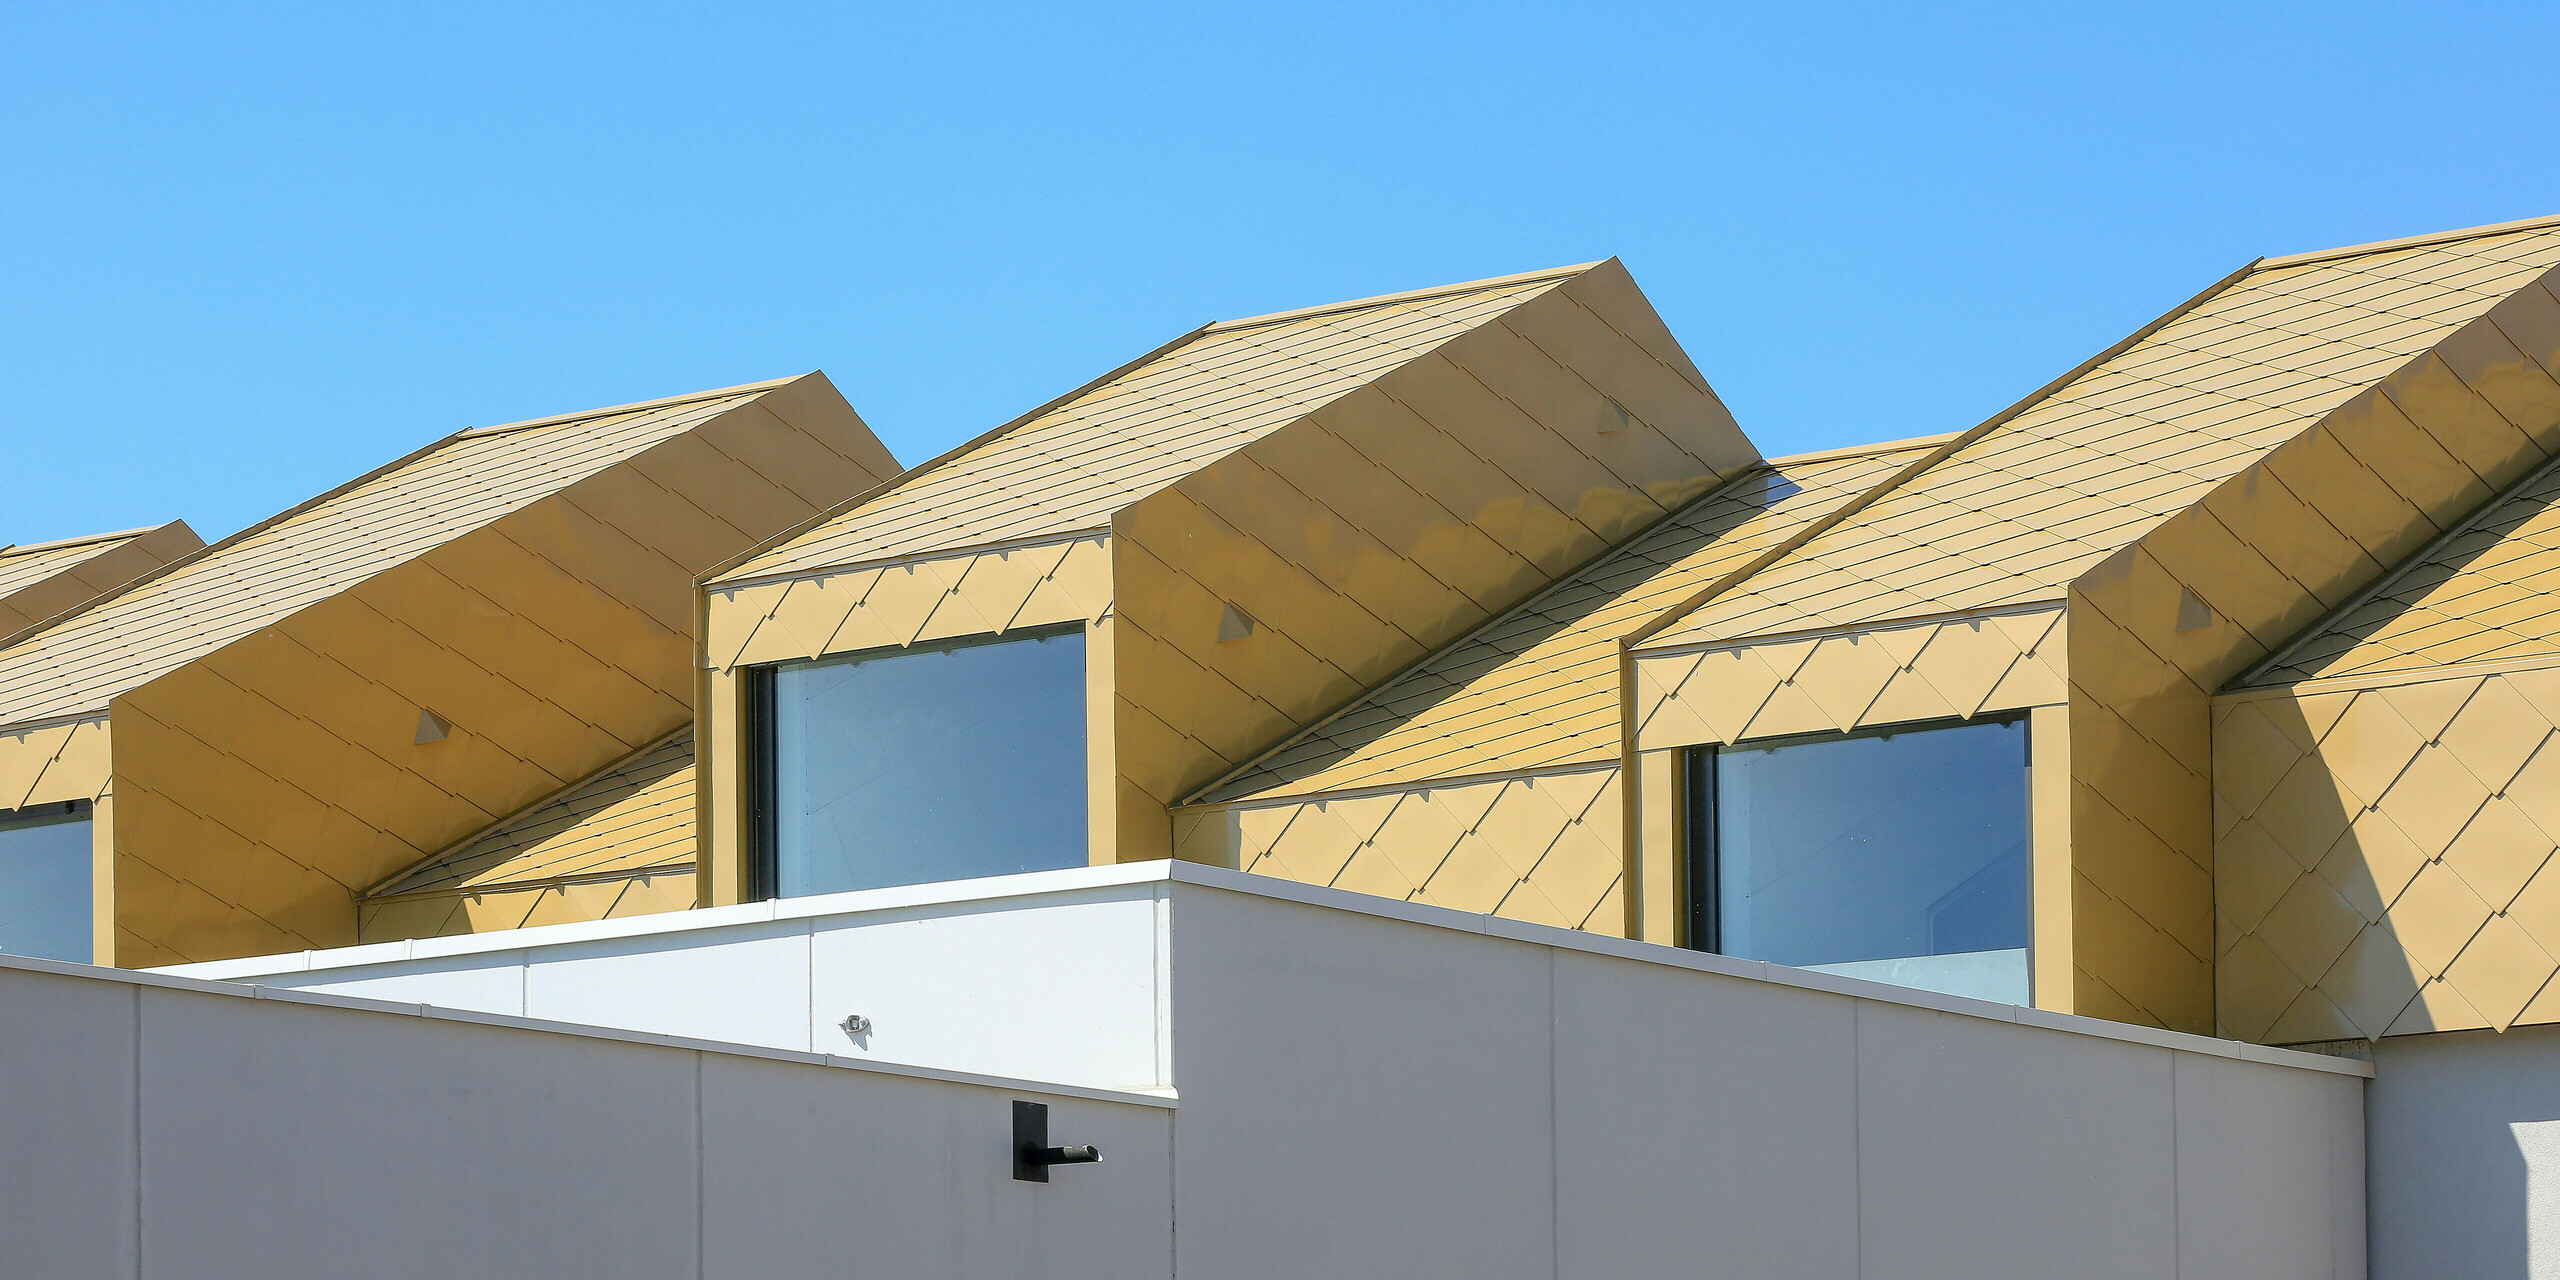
163	1127
1372	1088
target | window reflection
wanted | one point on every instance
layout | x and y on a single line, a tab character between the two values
927	763
1898	855
44	882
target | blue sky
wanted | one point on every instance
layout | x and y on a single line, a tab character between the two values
246	255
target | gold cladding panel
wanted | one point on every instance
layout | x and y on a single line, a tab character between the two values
1890	675
37	583
887	606
2395	877
1538	687
276	777
267	573
2025	508
1543	848
1337	565
1071	466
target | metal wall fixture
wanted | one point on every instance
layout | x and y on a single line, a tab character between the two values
1032	1154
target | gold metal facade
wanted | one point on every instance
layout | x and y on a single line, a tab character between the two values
1425	596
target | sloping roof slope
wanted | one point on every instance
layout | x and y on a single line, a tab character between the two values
1068	466
2489	591
1539	686
24	566
635	816
43	580
2023	508
217	595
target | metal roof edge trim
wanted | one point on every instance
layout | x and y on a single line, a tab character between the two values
2411	242
1227	879
1954	444
2388	576
521	886
58	544
1864	450
1163	1100
664	402
1199	795
1367	790
509	819
1410	295
712	574
2392	677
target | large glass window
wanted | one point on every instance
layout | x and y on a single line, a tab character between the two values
44	882
1897	854
937	762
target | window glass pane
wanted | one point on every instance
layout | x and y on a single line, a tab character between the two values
1897	856
929	764
44	885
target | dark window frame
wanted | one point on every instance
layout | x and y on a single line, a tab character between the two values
1702	866
757	719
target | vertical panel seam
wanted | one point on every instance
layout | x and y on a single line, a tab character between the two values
1555	1242
137	1132
699	1209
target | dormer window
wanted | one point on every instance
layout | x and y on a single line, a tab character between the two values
1895	854
930	762
45	876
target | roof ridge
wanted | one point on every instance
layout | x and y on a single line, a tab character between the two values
30	548
1410	295
2410	242
1863	450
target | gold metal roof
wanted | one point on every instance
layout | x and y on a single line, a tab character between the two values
43	580
21	566
633	817
2489	591
72	666
2028	503
1539	686
1068	466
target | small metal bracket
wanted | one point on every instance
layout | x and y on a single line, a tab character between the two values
1032	1154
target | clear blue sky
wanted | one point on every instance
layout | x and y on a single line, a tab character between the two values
249	251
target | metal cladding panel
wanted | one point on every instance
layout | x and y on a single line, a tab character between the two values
1070	466
53	763
488	910
2215	590
2022	510
635	816
263	784
1952	668
252	580
2491	593
1539	687
884	606
44	581
1543	848
1397	520
2383	865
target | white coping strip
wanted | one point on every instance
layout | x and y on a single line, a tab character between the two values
245	991
1046	883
